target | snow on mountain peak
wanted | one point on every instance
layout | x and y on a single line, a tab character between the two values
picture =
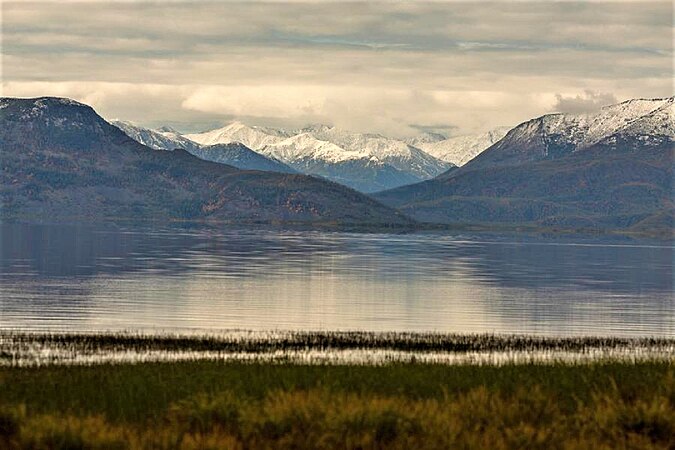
394	152
157	139
328	143
427	137
305	145
584	130
459	150
252	137
167	129
315	128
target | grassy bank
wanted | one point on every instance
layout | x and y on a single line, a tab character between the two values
209	404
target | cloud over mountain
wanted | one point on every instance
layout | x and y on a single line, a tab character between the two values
364	66
589	101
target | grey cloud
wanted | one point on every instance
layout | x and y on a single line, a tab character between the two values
377	66
589	101
444	129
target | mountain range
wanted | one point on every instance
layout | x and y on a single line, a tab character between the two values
234	154
366	162
608	169
61	160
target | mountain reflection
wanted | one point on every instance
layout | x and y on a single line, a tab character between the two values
140	277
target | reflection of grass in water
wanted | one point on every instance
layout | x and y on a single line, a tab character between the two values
214	405
254	342
30	349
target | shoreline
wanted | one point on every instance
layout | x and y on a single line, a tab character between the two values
665	235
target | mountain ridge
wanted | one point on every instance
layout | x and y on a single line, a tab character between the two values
60	159
568	175
554	135
367	162
235	154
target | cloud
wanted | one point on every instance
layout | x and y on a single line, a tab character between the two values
372	66
589	101
383	110
440	128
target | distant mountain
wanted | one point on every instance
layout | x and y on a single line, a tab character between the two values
362	161
234	154
459	150
241	157
60	159
164	139
396	153
426	138
610	169
252	137
310	155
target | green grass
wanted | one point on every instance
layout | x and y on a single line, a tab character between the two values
209	404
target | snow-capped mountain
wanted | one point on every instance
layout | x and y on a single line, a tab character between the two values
252	137
304	145
241	157
234	154
366	162
458	150
584	130
396	153
62	161
355	169
655	129
556	135
160	139
427	137
612	168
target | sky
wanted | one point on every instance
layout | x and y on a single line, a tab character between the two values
396	68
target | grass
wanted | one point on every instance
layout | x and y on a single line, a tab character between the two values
211	404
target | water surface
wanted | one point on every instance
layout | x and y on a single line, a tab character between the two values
204	279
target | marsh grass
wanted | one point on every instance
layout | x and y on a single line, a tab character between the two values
72	391
209	404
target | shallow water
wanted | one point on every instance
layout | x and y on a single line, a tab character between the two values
178	279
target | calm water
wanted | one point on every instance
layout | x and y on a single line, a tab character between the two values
177	279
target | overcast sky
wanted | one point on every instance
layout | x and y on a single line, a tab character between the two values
388	67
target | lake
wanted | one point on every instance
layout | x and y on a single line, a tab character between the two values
206	279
